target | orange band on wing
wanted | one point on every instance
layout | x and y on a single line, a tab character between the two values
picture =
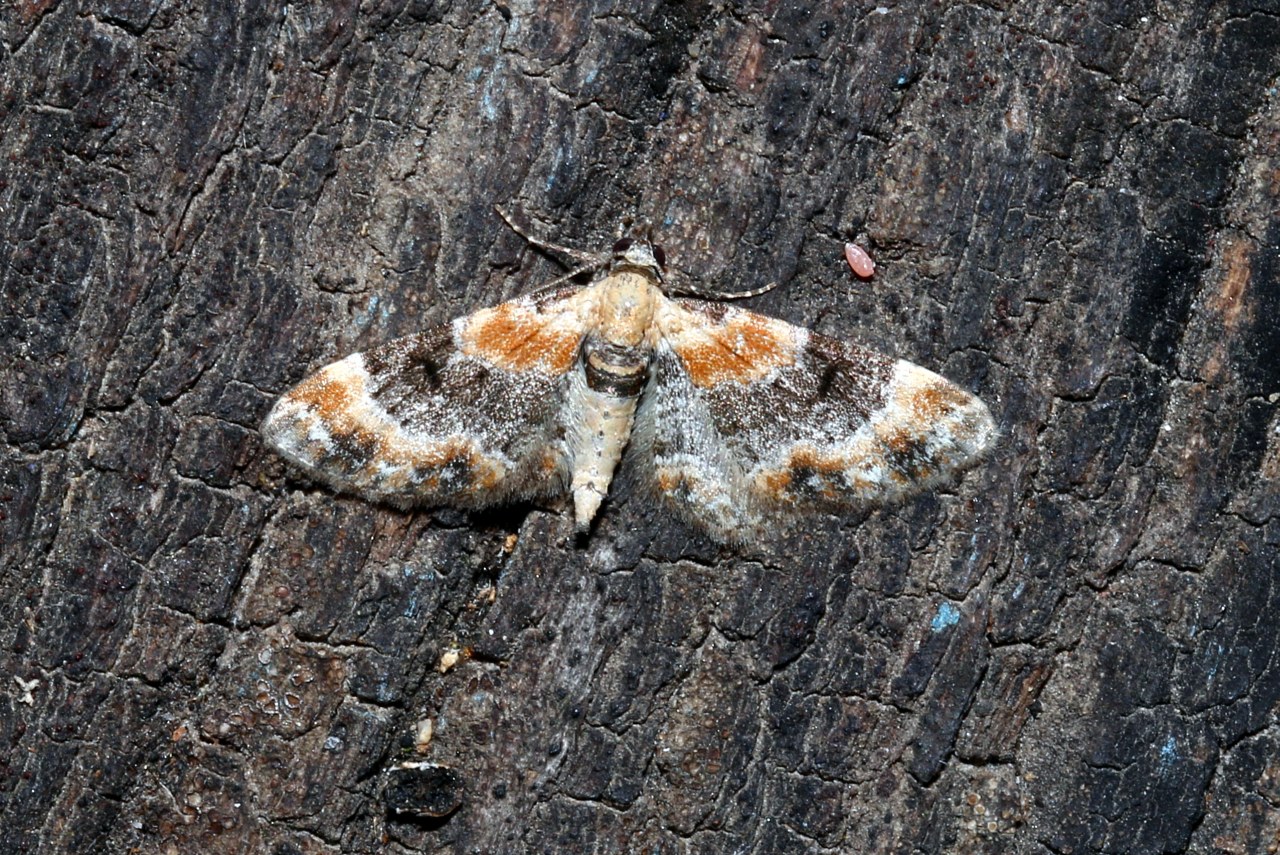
334	396
519	338
929	402
743	348
482	473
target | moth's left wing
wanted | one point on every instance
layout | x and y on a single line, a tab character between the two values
469	414
750	421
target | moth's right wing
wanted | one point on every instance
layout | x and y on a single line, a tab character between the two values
470	414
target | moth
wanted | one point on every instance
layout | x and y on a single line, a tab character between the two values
741	422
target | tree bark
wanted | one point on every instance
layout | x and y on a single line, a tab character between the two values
1073	213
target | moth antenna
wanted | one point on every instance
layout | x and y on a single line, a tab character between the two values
722	295
589	260
572	274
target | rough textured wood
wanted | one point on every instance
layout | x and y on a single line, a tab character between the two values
1074	213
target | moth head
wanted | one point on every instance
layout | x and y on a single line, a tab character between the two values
639	253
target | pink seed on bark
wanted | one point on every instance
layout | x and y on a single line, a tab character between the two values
859	261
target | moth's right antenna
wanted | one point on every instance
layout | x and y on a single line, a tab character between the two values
590	260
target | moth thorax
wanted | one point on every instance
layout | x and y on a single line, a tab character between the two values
625	307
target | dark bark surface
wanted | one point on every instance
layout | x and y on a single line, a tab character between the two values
1074	214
